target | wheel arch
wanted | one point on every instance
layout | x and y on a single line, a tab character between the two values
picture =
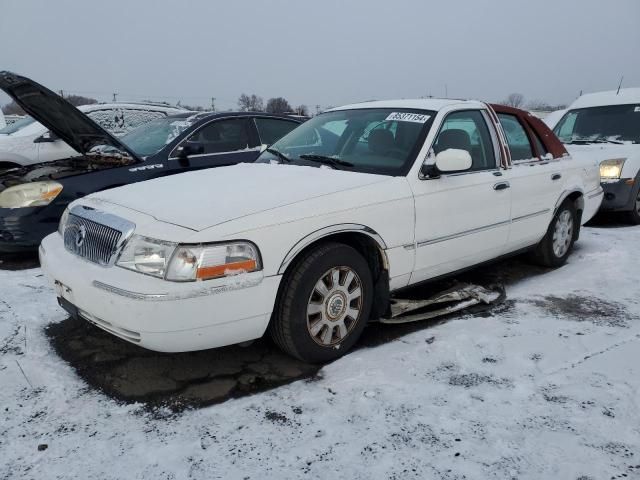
366	241
576	195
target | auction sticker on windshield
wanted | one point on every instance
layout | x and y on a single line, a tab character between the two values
408	117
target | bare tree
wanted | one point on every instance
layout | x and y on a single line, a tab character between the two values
302	110
278	105
514	100
250	103
193	108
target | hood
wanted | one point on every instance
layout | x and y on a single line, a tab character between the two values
205	198
58	115
604	151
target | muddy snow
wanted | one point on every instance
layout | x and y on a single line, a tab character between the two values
544	385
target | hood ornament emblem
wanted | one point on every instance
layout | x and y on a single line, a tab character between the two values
80	236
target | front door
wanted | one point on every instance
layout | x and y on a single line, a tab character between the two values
462	218
221	142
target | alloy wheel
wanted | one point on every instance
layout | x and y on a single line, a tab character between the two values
334	306
563	234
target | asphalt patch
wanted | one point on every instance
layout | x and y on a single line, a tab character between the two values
581	308
178	381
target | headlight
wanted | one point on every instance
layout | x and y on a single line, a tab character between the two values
146	255
36	194
205	262
63	221
611	168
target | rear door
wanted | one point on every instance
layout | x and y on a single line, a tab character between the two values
462	218
536	181
223	142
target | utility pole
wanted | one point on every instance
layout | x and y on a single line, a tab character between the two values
213	104
620	84
446	91
62	93
115	97
317	109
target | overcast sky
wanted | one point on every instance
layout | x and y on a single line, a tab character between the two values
326	52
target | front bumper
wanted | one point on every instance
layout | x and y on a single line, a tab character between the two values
619	195
22	229
156	314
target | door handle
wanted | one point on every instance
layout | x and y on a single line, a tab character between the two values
501	186
556	176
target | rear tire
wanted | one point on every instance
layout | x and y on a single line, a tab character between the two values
323	304
554	249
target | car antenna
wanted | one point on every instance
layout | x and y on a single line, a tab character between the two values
620	84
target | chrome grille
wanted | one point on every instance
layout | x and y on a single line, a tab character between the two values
94	235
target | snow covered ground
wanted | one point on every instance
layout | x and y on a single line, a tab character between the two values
545	386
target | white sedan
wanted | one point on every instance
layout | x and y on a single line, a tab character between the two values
311	242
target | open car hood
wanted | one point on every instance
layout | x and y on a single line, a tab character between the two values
66	121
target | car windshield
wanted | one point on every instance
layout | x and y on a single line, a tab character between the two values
17	125
610	124
376	140
151	137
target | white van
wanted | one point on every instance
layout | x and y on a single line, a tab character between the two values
606	126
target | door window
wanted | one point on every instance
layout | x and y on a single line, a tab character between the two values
272	129
221	136
467	130
517	139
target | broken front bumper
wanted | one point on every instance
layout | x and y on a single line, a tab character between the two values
619	195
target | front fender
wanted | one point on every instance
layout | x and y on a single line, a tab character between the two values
332	230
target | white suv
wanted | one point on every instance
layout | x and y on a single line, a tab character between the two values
27	141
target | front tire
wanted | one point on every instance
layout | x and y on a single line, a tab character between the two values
554	249
633	216
323	304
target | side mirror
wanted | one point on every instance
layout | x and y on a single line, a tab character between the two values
46	137
185	151
450	160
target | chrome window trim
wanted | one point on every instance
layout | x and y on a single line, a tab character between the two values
494	143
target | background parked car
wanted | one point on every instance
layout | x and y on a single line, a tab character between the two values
28	141
554	117
606	126
33	198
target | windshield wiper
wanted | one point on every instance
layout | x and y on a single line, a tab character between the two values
325	160
608	140
279	154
